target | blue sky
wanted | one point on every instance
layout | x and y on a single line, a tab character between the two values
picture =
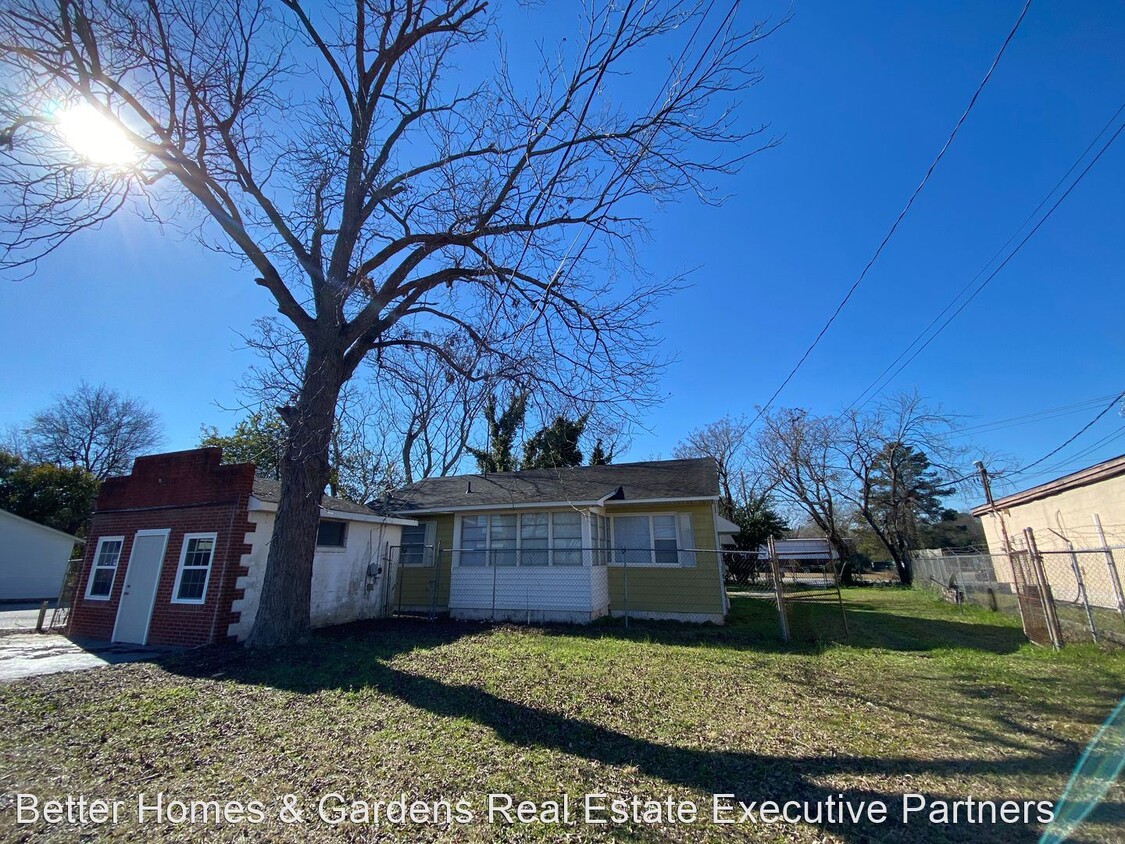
863	96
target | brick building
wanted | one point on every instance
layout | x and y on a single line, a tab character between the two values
175	554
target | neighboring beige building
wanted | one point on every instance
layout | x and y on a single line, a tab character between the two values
1068	510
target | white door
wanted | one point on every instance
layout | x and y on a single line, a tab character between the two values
139	592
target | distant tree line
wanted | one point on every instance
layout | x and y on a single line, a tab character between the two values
873	482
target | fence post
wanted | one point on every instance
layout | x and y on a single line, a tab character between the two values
492	562
1111	565
435	562
1035	559
1077	569
625	584
778	589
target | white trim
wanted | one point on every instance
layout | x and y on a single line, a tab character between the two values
613	549
523	506
720	564
551	549
165	532
12	515
94	566
624	502
176	599
258	505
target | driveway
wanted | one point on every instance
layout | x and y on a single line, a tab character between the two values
30	654
21	616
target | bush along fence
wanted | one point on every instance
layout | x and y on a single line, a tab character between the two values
1061	595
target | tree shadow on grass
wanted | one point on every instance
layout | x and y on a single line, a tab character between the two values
749	776
813	623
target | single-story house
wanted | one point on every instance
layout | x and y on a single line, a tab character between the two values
568	544
33	559
176	551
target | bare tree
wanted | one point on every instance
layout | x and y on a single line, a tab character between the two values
93	428
727	442
797	456
896	462
430	409
382	198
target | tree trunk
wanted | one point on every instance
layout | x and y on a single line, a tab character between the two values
283	609
903	567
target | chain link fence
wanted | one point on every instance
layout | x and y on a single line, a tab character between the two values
1061	596
798	585
563	584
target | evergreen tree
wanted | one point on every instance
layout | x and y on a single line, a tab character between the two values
599	456
905	493
502	432
556	445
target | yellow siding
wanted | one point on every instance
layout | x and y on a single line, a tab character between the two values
651	589
418	582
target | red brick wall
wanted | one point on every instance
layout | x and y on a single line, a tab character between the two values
186	492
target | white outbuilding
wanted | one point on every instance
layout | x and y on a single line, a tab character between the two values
33	559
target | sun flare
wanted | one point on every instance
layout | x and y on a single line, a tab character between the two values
95	137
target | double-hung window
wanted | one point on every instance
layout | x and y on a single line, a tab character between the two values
106	557
195	569
502	539
413	546
568	538
534	539
474	540
649	540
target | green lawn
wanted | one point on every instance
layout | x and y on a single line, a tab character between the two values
922	698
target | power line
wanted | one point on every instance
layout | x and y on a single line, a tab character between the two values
1034	416
901	215
873	385
1081	431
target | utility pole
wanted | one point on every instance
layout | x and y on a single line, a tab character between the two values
1007	545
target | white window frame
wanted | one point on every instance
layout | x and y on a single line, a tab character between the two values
613	549
584	552
428	544
94	567
176	599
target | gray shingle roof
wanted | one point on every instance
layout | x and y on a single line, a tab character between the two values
266	489
660	479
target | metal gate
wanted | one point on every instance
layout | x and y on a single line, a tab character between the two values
410	584
1034	595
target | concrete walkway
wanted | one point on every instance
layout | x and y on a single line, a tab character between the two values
31	654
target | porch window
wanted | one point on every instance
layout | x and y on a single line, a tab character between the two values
106	557
568	538
502	541
522	539
474	540
195	569
534	539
